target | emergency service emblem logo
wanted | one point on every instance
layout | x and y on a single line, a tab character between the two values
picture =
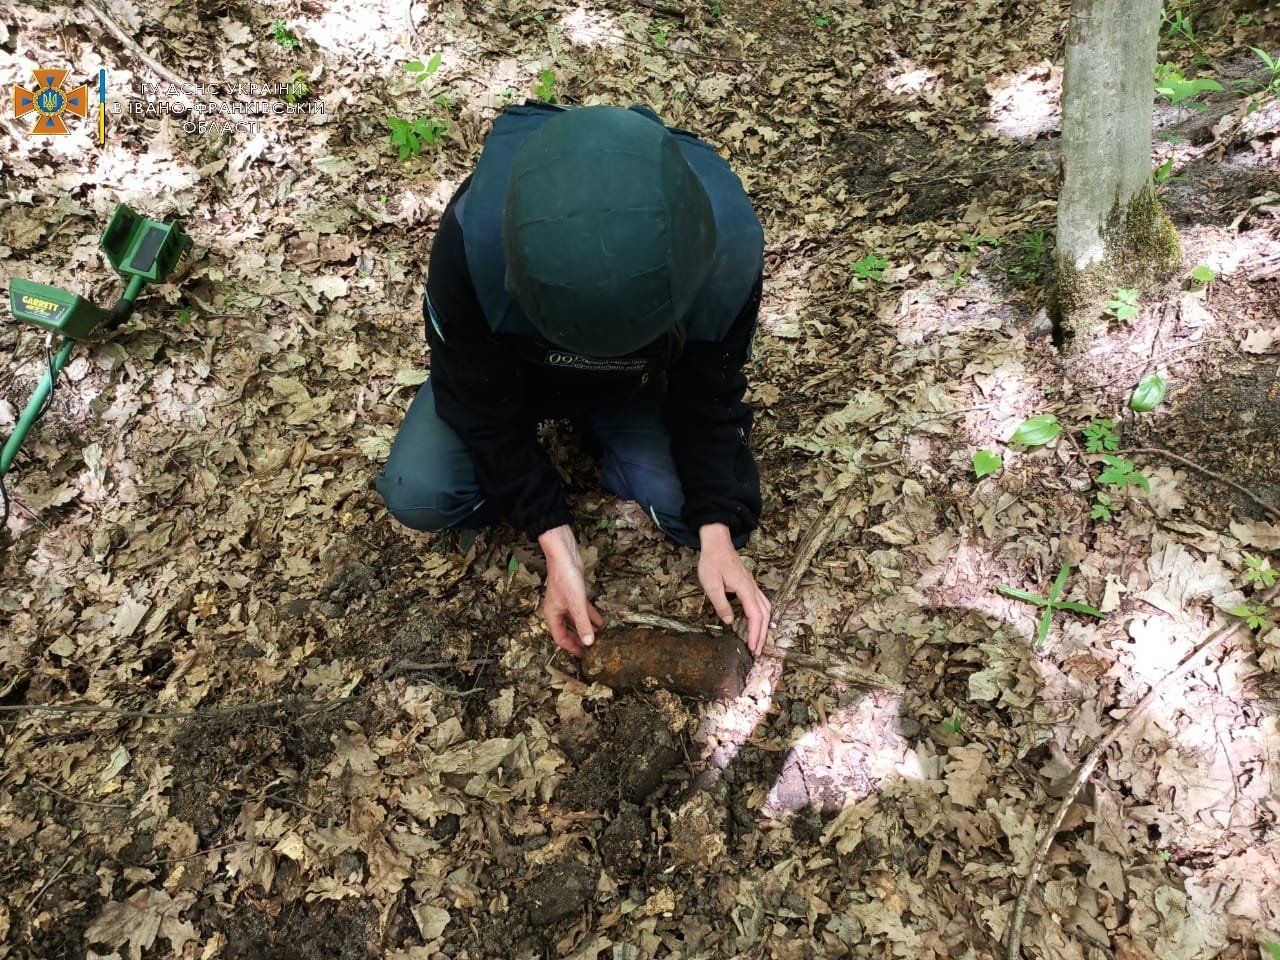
49	101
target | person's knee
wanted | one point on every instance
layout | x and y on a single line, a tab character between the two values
422	506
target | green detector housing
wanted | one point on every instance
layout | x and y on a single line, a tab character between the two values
141	250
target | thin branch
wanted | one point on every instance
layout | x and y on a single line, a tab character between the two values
36	782
1271	509
1013	940
135	48
102	710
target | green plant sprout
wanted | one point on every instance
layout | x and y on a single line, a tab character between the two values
544	89
972	241
821	21
985	462
606	523
1100	435
714	9
1272	948
409	136
1050	603
1125	305
1269	87
1178	90
1037	431
1164	175
420	71
297	88
1255	614
952	725
870	267
1121	473
1102	507
1149	393
282	35
1203	275
1176	27
659	37
1030	252
1258	570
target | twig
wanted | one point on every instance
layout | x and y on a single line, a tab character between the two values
256	841
673	12
1141	364
1270	509
837	671
1013	941
317	705
50	882
135	48
809	547
36	782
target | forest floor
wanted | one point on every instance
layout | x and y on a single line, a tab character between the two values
246	715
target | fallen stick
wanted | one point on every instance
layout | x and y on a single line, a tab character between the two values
1013	940
1270	509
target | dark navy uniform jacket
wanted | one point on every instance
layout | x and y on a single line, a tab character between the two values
494	378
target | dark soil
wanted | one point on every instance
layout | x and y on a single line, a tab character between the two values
221	761
341	930
1228	423
628	765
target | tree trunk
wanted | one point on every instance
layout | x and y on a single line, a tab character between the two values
1112	231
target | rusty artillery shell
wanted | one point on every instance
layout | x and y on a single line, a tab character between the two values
702	665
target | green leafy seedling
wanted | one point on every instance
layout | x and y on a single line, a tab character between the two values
606	523
659	36
871	267
420	71
1255	614
297	88
513	564
1177	27
952	725
1100	435
282	35
408	137
821	21
1037	431
1180	91
1030	252
1164	174
973	241
1259	570
1272	948
1125	305
1102	507
1050	603
985	462
1203	275
545	88
1121	473
1149	393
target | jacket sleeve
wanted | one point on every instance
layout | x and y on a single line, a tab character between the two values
480	393
710	425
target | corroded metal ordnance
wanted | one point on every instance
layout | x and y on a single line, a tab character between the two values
703	665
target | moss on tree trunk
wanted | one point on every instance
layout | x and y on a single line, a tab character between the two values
1141	250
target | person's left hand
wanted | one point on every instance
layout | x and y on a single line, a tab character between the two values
721	572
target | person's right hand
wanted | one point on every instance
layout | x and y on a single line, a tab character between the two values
570	616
